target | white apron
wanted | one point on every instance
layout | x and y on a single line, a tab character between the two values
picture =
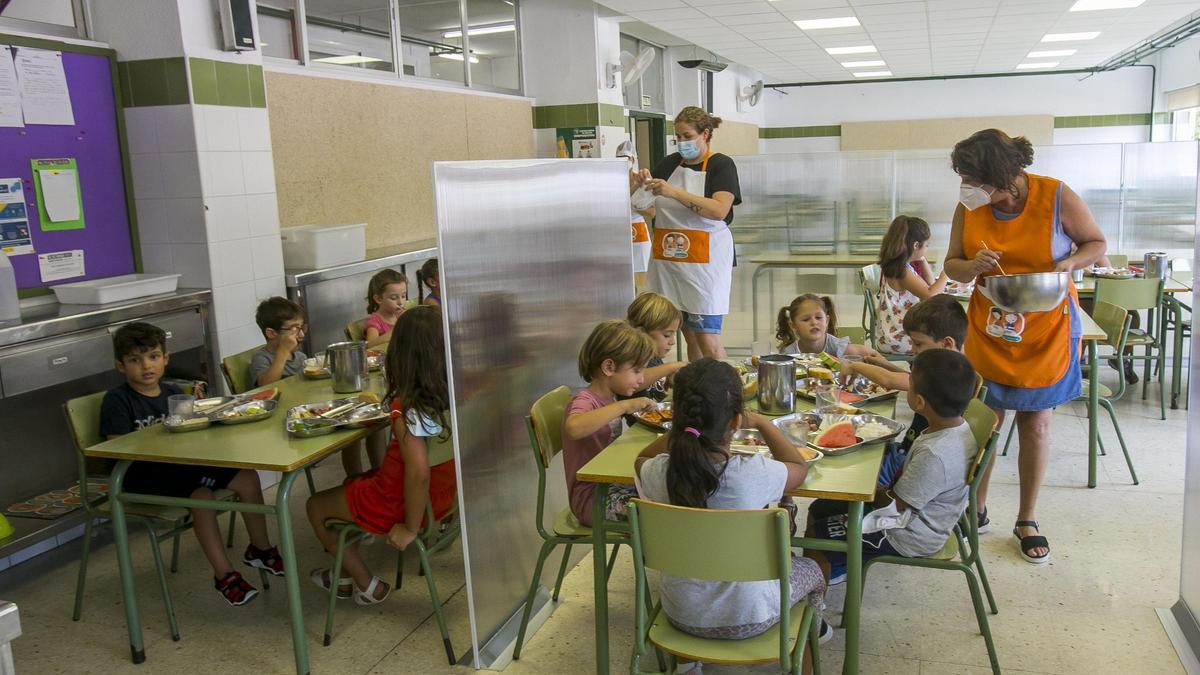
641	242
692	256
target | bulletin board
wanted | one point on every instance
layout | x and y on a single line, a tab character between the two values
95	142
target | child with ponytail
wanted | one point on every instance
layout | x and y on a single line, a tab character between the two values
692	466
906	278
809	326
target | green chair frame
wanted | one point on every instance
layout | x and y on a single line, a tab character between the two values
356	330
434	536
236	369
1118	260
1132	295
964	540
1113	320
544	424
857	334
712	544
83	421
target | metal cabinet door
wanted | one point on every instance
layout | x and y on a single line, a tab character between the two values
56	361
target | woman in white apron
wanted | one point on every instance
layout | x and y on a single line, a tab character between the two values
640	231
692	248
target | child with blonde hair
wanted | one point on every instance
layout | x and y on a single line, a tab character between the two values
658	317
809	325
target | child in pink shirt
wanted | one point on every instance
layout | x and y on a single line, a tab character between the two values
386	294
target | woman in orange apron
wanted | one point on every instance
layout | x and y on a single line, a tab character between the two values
695	190
1030	362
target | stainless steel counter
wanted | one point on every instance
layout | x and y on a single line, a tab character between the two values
335	296
53	319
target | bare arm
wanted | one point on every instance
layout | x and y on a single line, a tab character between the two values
913	283
374	339
714	208
925	271
658	447
582	425
416	486
665	370
958	266
1081	227
782	449
861	350
881	376
283	354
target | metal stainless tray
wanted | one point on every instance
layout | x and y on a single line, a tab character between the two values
786	423
657	426
233	416
307	427
738	445
803	390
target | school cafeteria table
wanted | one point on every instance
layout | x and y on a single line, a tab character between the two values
850	478
261	445
1092	333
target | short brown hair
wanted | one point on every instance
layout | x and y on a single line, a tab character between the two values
273	312
698	119
992	157
617	340
651	311
946	379
138	337
940	316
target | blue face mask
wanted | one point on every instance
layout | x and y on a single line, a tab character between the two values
689	149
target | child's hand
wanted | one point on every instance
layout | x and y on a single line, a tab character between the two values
640	404
287	342
877	359
847	373
399	537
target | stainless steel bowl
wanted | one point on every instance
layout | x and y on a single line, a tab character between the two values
1035	292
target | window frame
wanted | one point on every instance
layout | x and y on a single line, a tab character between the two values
662	62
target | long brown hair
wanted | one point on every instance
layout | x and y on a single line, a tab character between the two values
783	322
708	395
416	366
426	272
379	283
992	157
902	236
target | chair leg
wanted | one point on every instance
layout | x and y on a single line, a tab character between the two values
232	525
83	561
175	553
814	645
981	617
987	587
547	547
1112	415
1162	382
335	573
1012	428
312	487
162	581
1100	443
562	571
612	560
399	570
437	604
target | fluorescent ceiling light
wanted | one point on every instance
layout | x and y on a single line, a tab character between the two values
1034	66
1050	53
482	30
1069	37
861	49
1093	5
874	73
863	64
453	56
348	59
836	22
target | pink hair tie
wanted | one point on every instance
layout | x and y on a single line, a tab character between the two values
692	431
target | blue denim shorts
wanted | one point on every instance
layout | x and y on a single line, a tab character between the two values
703	323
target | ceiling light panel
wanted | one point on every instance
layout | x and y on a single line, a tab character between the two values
1098	5
856	49
1051	53
874	73
863	64
1037	66
832	22
1070	37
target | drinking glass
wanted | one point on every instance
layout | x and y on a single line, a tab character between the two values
825	394
181	405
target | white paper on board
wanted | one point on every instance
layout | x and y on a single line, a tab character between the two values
60	265
45	98
10	91
60	194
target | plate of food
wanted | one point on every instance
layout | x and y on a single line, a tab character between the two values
251	411
374	359
659	420
316	419
836	433
316	368
1112	273
179	425
751	442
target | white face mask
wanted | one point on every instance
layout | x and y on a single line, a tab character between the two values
973	197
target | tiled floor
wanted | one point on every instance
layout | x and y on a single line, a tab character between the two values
1116	558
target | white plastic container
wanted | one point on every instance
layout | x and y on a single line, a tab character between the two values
10	307
115	289
319	246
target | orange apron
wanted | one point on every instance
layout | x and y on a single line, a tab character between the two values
1028	350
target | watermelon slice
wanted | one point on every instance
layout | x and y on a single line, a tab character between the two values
265	395
851	397
840	435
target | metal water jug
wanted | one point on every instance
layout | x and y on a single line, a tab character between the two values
348	366
776	384
1156	265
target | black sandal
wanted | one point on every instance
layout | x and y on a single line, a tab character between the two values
1031	542
983	524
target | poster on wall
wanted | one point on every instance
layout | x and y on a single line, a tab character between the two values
56	183
14	222
578	142
61	265
45	98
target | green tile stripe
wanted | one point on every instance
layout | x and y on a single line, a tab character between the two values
800	132
670	127
1128	120
578	115
165	82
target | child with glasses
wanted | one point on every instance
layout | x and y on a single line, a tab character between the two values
282	324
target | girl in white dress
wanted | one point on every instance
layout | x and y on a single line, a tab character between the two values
906	279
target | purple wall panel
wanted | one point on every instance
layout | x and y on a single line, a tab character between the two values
93	142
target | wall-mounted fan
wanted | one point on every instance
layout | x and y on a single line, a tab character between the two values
631	67
749	96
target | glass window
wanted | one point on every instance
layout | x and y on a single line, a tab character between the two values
50	17
492	33
1185	124
351	33
431	39
277	29
648	93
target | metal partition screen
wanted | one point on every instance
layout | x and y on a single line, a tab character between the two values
533	254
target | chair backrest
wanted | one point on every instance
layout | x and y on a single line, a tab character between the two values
1114	320
1130	294
712	544
83	421
1118	260
870	276
980	390
1181	265
857	334
355	330
983	424
545	424
411	302
236	369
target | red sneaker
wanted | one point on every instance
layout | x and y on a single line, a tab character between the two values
237	591
268	560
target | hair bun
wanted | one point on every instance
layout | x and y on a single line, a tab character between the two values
716	121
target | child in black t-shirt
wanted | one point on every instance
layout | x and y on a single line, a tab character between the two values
141	356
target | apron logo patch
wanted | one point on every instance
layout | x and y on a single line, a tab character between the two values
1004	325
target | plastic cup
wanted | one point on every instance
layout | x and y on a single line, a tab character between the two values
181	405
825	394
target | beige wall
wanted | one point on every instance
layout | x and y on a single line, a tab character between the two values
736	138
350	152
941	133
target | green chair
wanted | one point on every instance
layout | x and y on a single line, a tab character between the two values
544	424
718	545
236	369
1132	295
1115	323
1118	260
83	421
433	537
356	330
964	541
857	334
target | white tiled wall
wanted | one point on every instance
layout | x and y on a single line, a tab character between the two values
204	180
